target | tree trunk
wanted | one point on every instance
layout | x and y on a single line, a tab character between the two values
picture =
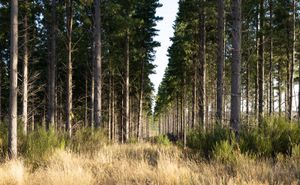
113	109
98	66
185	111
86	102
236	67
0	92
194	101
127	89
271	60
52	70
261	66
202	64
220	60
291	79
257	66
12	134
141	96
69	115
110	103
25	72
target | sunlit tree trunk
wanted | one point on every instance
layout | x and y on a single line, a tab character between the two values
25	72
141	96
12	132
98	66
69	115
127	89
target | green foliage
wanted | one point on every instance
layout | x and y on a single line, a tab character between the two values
87	140
224	152
40	144
204	142
276	136
162	140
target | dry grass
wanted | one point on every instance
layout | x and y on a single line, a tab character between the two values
146	164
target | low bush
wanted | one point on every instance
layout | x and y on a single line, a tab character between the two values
162	140
276	136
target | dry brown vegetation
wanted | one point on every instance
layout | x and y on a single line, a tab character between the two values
146	164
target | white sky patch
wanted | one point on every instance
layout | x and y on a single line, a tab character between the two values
165	27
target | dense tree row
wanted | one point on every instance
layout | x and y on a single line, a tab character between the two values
80	63
250	46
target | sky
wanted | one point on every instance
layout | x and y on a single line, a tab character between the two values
168	11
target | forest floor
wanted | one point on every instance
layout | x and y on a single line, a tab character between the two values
146	164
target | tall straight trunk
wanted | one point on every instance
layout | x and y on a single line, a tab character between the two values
0	91
110	103
185	111
25	72
294	38
202	65
86	102
279	89
247	92
98	66
194	101
291	79
12	132
261	65
220	59
127	89
92	106
271	60
92	95
69	115
113	109
257	66
141	96
52	70
236	67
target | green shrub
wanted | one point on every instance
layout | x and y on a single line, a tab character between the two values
38	145
87	140
224	152
162	140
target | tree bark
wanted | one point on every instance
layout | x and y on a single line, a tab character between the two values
52	69
202	64
70	68
98	66
25	72
271	60
292	63
261	65
236	67
220	60
127	89
141	96
1	92
12	134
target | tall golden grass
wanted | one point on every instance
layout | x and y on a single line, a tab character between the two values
146	164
